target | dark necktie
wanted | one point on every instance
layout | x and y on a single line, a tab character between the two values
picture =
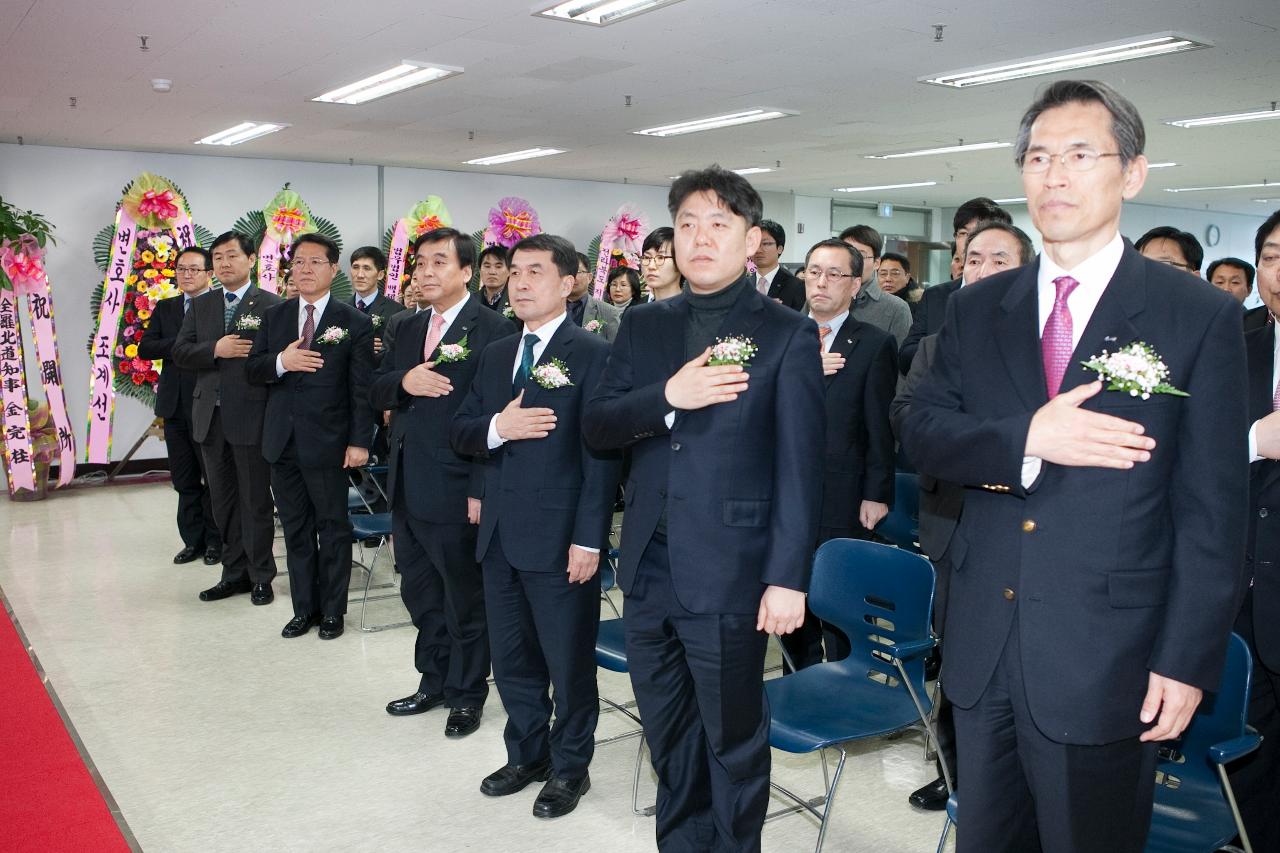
309	327
228	311
526	365
186	303
363	306
577	309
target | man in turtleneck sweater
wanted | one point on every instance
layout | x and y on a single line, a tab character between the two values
722	505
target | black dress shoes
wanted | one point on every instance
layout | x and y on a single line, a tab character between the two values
186	555
932	797
331	627
299	625
560	796
262	593
213	555
511	778
462	722
225	589
418	703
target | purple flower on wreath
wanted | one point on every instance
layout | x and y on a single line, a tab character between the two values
510	222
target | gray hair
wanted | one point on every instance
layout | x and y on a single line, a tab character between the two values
1126	124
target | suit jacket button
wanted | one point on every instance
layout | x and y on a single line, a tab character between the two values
1028	526
675	445
1008	594
1263	512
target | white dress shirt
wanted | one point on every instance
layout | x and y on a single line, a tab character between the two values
1275	377
449	315
764	280
321	304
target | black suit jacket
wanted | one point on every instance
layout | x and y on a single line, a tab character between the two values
787	289
1110	574
437	481
1261	617
741	479
1256	318
174	394
380	312
221	382
546	493
859	457
503	302
926	319
324	412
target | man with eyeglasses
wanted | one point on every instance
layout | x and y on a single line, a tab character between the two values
585	310
1096	565
772	278
196	525
658	264
872	305
1169	245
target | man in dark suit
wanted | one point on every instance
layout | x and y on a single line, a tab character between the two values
435	494
368	275
1097	561
226	418
772	278
196	525
315	356
594	315
860	370
722	509
1256	778
493	278
544	521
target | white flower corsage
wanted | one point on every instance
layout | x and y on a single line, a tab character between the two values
733	351
333	335
249	323
1135	369
552	374
377	320
508	312
450	353
593	326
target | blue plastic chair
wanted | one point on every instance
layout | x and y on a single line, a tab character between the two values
881	597
1195	806
367	524
902	525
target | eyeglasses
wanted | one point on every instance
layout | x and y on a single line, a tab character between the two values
831	275
314	263
768	244
190	270
1186	267
893	273
1075	160
659	260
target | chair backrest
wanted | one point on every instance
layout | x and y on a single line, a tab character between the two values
877	595
902	525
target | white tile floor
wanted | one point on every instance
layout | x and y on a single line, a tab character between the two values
214	734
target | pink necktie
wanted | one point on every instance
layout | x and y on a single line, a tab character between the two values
762	284
1055	344
433	336
1275	399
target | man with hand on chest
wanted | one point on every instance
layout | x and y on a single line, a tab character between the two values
548	501
368	277
315	355
435	492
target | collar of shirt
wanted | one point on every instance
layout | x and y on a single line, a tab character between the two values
366	301
544	333
244	288
321	304
836	323
450	314
1094	274
766	278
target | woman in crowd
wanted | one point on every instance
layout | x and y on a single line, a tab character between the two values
624	288
658	264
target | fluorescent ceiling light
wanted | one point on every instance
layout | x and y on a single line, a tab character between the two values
1139	47
884	187
1223	187
1273	198
752	170
527	154
242	132
1226	118
1010	200
600	13
712	123
406	75
949	149
1161	165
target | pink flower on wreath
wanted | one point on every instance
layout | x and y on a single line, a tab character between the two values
23	262
510	222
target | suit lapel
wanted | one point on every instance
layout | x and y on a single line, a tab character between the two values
745	316
462	324
1110	327
847	338
1260	345
560	346
328	317
673	341
1017	336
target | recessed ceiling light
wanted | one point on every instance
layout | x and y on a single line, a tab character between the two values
1226	118
1269	200
242	132
712	123
1138	47
1223	187
527	154
752	170
949	149
600	13
1161	165
884	187
1010	200
406	75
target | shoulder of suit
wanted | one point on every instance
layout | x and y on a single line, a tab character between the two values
1175	285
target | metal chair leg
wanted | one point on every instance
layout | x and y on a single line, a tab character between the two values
926	720
648	811
946	831
368	584
1235	809
831	795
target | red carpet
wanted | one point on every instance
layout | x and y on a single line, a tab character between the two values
48	801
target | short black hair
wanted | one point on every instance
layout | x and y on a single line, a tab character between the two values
371	253
901	259
632	277
202	252
732	189
1272	223
1239	264
1026	251
855	257
867	236
982	209
1190	246
494	251
463	246
775	231
330	248
583	262
659	237
562	252
246	245
1126	124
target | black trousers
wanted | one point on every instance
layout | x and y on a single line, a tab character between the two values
317	533
1256	777
699	684
196	524
542	630
443	590
240	492
1025	793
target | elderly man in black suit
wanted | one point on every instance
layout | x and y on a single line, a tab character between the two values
314	354
196	524
1096	566
435	493
226	418
722	509
543	523
772	278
